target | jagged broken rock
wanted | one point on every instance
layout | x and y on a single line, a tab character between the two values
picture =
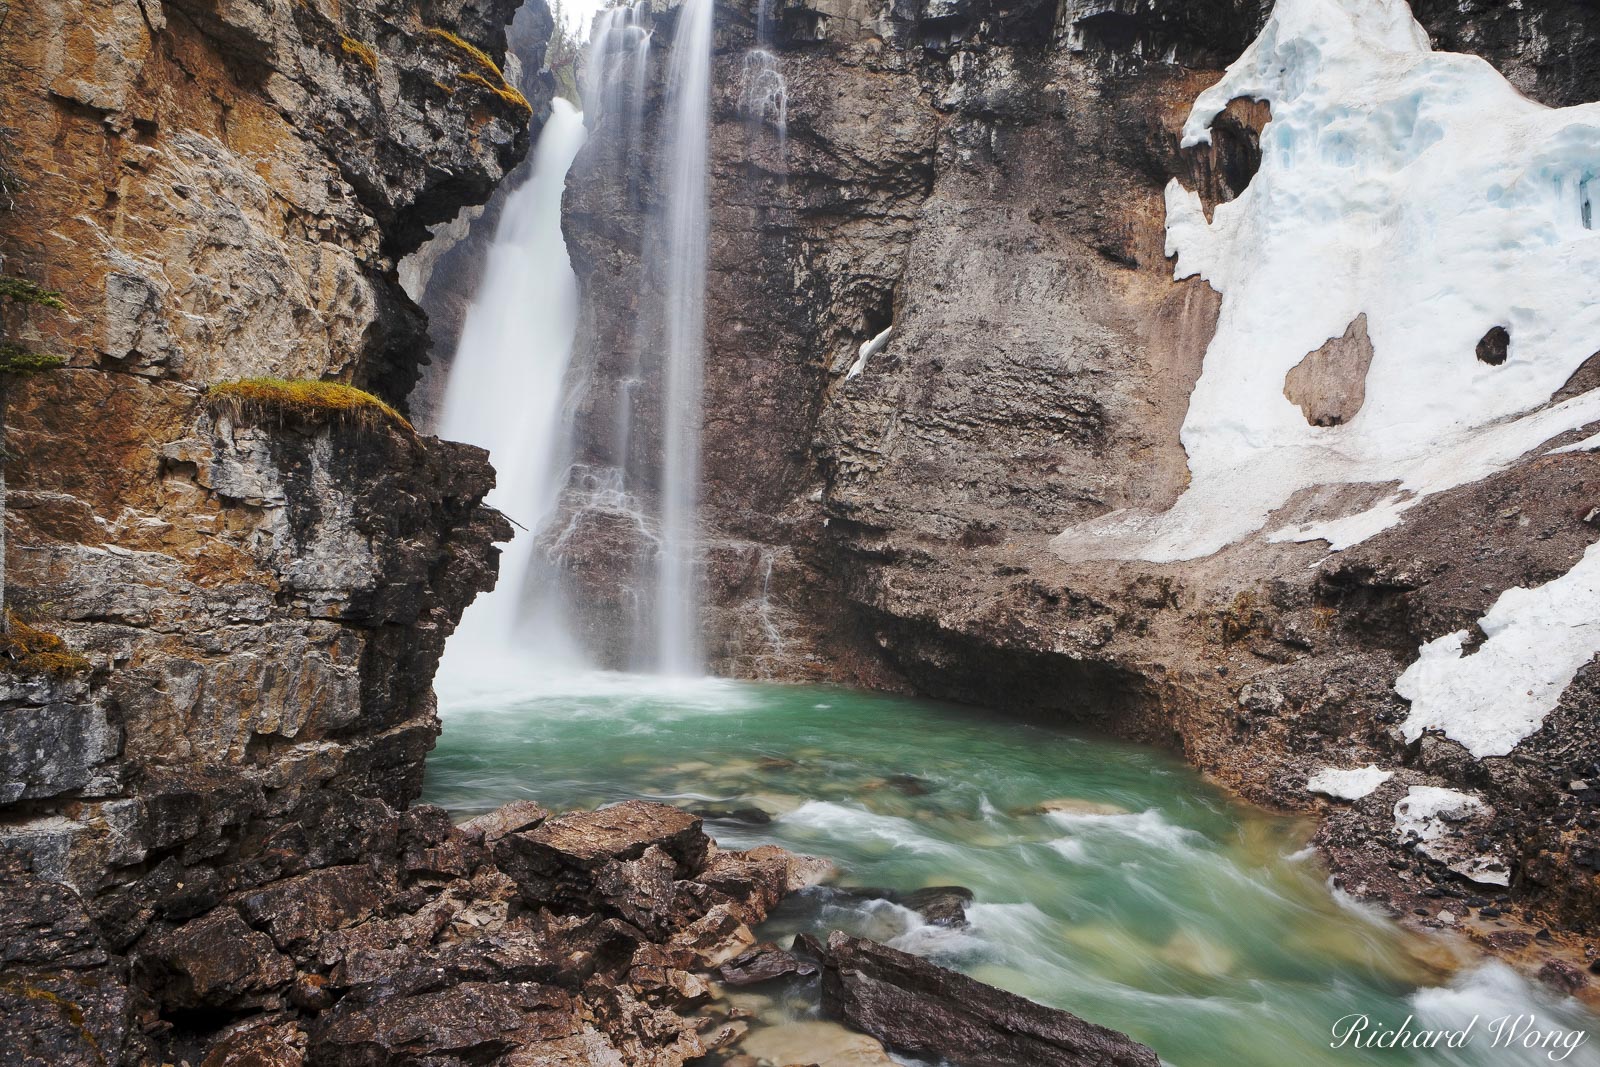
927	1010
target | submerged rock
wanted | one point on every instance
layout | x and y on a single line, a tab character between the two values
941	905
926	1010
750	816
817	1044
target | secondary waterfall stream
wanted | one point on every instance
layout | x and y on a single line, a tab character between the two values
682	263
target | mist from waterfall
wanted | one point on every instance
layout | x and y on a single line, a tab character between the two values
505	393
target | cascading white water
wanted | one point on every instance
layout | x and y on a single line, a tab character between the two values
764	93
505	394
509	379
682	268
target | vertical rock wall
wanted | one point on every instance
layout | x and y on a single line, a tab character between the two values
220	191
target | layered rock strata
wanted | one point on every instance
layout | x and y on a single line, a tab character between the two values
259	599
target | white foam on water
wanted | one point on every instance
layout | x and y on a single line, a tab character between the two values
506	685
850	823
1148	827
1495	995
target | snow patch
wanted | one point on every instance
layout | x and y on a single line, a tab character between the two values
1537	640
1348	784
1422	814
1423	818
1588	444
868	350
1415	187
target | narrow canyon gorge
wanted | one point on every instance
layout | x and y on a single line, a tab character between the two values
1215	379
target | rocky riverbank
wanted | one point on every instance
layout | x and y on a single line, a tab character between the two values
364	935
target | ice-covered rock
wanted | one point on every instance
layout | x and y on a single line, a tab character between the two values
1416	188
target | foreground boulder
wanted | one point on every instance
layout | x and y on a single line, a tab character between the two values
427	952
587	860
926	1010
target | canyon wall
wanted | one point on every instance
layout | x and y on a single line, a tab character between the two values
247	601
989	180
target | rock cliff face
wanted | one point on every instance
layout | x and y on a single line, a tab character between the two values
987	180
221	190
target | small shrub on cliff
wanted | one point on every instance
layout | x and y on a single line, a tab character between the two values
361	51
26	649
499	86
278	399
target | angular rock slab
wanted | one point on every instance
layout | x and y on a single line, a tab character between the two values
918	1007
563	862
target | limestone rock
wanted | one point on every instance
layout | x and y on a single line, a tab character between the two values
926	1010
563	862
1330	384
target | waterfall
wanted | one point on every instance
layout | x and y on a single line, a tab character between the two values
512	391
764	94
505	394
682	268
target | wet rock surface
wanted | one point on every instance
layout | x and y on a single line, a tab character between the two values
392	961
926	1010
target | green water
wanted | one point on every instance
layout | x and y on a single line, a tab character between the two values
1152	903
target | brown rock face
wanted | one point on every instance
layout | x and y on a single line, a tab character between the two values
1330	384
920	1008
221	190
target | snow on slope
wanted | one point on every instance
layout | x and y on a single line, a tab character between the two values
1538	639
1413	186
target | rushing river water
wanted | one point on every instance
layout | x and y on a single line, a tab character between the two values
1145	899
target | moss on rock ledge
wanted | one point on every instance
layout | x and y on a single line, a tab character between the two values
26	649
277	399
